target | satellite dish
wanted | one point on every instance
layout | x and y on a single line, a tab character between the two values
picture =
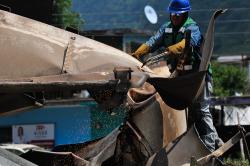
150	14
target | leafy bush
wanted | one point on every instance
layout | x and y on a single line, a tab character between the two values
229	79
236	162
65	17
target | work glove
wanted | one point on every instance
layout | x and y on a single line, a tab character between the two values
177	48
142	50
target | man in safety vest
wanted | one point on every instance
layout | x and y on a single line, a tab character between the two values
171	36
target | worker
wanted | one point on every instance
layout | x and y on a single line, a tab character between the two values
171	37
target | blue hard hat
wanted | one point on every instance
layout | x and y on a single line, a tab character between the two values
179	6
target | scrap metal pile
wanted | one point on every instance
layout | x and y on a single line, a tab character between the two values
38	60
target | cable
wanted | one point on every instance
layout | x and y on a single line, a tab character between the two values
142	13
227	21
232	33
160	11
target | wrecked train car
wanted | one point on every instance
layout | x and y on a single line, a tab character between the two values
38	60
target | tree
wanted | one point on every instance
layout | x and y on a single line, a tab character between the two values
229	79
65	17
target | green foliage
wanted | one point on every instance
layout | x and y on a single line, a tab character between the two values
236	162
229	79
65	17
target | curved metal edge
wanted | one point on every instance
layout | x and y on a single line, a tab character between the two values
142	79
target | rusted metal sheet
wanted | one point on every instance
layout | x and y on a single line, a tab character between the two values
51	83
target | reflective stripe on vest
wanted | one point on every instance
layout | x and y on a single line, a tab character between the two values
170	30
185	67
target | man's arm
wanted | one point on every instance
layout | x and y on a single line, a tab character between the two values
151	45
195	35
156	41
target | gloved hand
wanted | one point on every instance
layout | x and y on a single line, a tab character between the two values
176	48
142	50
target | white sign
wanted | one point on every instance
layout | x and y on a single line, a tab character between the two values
33	133
236	115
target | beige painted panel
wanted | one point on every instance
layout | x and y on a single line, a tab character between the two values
174	122
30	48
159	123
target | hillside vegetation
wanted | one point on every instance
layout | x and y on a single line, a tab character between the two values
232	29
